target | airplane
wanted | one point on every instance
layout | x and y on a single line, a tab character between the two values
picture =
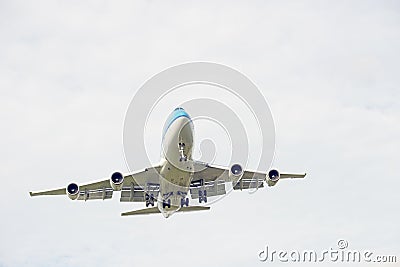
170	182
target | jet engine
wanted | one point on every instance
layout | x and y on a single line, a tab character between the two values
73	191
235	172
116	181
273	177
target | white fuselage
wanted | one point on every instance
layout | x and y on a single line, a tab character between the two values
177	169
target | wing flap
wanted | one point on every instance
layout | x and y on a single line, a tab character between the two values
104	193
130	195
215	188
248	184
136	193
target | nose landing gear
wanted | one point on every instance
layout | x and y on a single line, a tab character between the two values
182	157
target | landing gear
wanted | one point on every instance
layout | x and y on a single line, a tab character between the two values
149	200
184	202
166	203
181	152
202	196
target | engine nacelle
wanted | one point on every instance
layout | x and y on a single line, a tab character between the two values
235	172
73	191
116	181
273	177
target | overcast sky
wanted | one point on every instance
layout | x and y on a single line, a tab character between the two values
329	70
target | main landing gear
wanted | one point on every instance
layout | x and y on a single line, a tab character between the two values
202	196
184	202
166	203
149	200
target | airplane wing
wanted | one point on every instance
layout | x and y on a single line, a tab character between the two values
132	187
213	179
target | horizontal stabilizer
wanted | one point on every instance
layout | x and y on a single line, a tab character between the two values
156	210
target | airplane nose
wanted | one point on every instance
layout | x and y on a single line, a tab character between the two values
182	121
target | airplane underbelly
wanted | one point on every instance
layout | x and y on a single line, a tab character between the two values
176	177
174	186
177	171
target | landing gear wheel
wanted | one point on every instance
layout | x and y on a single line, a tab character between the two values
184	202
166	203
149	200
182	157
152	200
202	196
202	199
